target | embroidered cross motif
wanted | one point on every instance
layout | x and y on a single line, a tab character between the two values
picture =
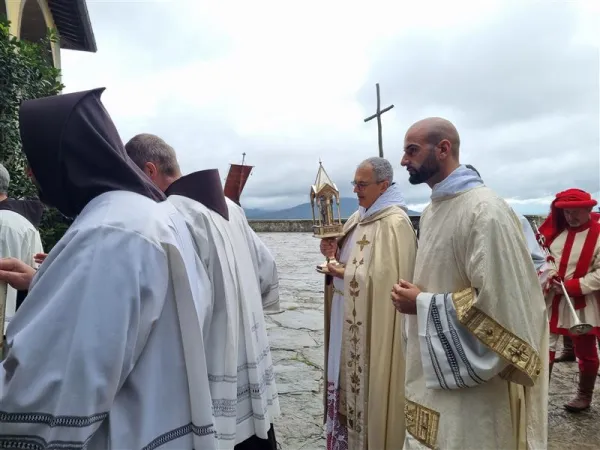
255	327
518	354
363	242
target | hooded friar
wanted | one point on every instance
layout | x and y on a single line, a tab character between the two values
107	351
240	367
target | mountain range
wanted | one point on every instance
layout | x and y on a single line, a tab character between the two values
303	211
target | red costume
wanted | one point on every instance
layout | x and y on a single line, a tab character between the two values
577	256
547	229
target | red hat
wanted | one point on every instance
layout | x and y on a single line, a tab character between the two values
555	223
574	198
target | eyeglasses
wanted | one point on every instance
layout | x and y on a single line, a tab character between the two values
361	184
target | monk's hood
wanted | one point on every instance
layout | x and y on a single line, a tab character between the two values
31	209
76	153
204	187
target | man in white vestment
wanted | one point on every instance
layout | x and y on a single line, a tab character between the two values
245	284
364	358
19	239
158	160
107	351
477	332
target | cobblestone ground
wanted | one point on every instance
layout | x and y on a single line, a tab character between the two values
297	343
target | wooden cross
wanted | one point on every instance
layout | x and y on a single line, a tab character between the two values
378	115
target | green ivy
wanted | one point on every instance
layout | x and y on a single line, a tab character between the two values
26	72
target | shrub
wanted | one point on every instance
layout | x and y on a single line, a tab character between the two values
26	72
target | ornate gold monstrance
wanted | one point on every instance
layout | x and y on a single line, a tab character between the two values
325	226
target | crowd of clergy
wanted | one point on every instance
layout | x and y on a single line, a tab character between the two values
144	326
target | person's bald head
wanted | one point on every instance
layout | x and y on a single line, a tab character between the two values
435	130
431	150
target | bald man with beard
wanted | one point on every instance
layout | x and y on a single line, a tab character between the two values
477	332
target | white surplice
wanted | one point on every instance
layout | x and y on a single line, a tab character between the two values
264	262
96	355
21	240
242	379
537	254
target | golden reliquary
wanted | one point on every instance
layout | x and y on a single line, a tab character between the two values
323	195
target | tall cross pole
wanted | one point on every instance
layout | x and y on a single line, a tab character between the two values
378	115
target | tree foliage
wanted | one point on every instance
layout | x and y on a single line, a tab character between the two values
26	72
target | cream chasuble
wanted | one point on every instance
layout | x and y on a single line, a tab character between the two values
371	369
478	345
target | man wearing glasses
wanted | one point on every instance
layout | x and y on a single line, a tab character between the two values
364	360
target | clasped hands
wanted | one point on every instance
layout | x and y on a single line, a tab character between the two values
404	297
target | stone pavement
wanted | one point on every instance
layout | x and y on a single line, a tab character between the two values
297	348
296	335
567	431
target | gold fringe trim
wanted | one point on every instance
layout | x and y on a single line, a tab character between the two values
422	423
526	364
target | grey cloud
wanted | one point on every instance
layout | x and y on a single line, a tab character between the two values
523	95
521	64
155	34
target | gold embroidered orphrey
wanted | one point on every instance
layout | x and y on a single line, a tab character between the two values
422	423
521	356
355	357
323	194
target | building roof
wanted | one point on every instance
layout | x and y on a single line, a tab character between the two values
73	23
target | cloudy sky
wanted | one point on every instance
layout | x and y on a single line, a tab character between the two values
291	82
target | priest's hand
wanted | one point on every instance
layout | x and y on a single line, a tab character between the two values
16	273
329	247
404	297
336	270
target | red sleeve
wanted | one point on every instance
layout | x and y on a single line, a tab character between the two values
573	287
